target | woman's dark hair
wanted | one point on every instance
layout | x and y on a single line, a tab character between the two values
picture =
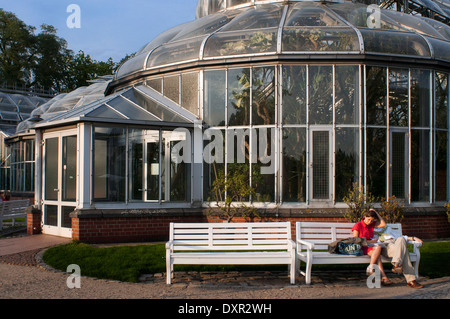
371	213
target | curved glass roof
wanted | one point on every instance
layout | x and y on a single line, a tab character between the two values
15	108
258	28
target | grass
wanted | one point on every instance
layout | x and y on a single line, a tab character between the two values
127	263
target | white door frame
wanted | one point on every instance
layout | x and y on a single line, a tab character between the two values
58	229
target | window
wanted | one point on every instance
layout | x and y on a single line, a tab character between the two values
109	164
22	166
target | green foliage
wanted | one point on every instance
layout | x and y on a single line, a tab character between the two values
447	205
43	61
230	193
392	210
359	202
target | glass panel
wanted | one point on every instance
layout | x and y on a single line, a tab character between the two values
69	168
376	95
310	14
376	162
130	110
347	95
263	95
238	154
441	48
214	97
294	165
347	160
241	42
294	94
441	171
189	92
109	164
172	88
420	165
155	84
398	97
320	94
263	176
66	221
214	163
321	164
179	172
51	168
260	17
420	98
319	40
399	162
153	168
442	99
238	97
51	215
153	107
237	2
394	43
136	161
176	52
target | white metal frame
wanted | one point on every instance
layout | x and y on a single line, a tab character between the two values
59	230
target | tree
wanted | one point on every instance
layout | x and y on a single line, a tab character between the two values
17	42
43	60
51	57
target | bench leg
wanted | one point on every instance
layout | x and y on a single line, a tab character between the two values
168	268
292	273
308	273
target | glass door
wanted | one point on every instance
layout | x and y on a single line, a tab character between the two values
60	182
144	161
320	165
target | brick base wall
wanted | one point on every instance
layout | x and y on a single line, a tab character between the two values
111	228
34	218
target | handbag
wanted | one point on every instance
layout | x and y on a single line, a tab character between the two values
350	246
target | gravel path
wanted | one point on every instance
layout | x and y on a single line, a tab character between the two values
23	277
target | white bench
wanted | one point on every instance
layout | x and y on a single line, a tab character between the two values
312	246
230	244
13	209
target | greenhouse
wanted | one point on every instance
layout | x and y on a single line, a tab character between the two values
302	98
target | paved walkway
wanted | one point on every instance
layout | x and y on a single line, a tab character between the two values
22	277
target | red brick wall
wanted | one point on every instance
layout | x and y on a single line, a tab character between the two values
34	222
156	228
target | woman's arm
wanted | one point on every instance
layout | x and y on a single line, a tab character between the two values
381	222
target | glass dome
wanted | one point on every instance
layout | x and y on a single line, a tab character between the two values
245	29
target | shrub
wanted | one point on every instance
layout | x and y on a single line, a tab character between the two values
359	202
392	210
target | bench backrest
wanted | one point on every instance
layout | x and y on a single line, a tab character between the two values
230	236
13	207
322	234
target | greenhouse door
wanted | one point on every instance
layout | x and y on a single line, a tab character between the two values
59	182
145	167
320	165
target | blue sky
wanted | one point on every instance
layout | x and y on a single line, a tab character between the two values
109	28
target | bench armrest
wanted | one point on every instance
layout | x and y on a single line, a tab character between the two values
309	245
169	245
